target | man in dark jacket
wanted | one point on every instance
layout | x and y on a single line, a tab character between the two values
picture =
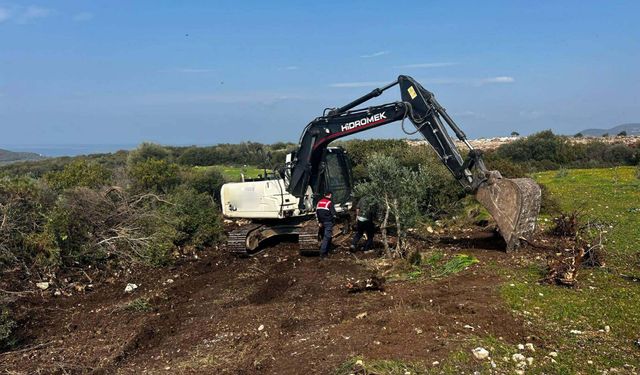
326	213
365	214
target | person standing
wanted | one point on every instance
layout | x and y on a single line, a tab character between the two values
365	214
326	213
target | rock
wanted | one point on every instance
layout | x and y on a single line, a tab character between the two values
520	347
43	285
480	353
359	363
169	281
361	315
518	357
493	364
530	360
520	372
530	347
469	327
130	288
429	229
435	363
575	332
261	327
418	331
553	354
607	329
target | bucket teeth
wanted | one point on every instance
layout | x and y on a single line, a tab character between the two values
513	203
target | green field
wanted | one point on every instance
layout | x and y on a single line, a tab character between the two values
604	297
234	174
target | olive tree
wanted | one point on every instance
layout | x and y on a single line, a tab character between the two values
395	190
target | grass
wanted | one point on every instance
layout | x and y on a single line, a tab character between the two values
361	365
139	305
434	265
603	297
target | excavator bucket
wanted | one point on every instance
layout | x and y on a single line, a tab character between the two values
513	203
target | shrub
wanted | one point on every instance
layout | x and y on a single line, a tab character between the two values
154	175
23	207
148	151
538	147
208	181
437	193
7	325
195	218
79	173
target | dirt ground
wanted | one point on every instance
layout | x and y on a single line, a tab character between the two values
275	313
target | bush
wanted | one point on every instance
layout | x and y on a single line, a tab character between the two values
148	151
7	325
79	173
23	207
438	193
538	147
208	181
195	218
154	175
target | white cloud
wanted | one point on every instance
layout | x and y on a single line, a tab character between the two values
4	14
33	12
376	54
500	79
357	84
83	16
428	65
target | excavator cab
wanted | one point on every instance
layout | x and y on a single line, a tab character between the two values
335	176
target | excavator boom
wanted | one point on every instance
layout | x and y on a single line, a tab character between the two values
514	203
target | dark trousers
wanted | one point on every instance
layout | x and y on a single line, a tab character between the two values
327	234
361	228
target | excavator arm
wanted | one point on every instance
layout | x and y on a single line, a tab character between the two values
514	203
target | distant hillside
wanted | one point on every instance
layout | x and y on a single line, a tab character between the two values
631	129
7	156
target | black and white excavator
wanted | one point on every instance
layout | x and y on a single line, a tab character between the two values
282	203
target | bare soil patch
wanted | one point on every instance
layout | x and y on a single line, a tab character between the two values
274	313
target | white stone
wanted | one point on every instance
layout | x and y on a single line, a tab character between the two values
435	363
520	347
169	281
575	332
130	288
530	347
480	353
553	354
361	315
607	329
43	285
530	360
261	327
520	372
517	357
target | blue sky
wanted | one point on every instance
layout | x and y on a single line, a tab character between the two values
206	72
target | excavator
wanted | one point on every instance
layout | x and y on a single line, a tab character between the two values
282	202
